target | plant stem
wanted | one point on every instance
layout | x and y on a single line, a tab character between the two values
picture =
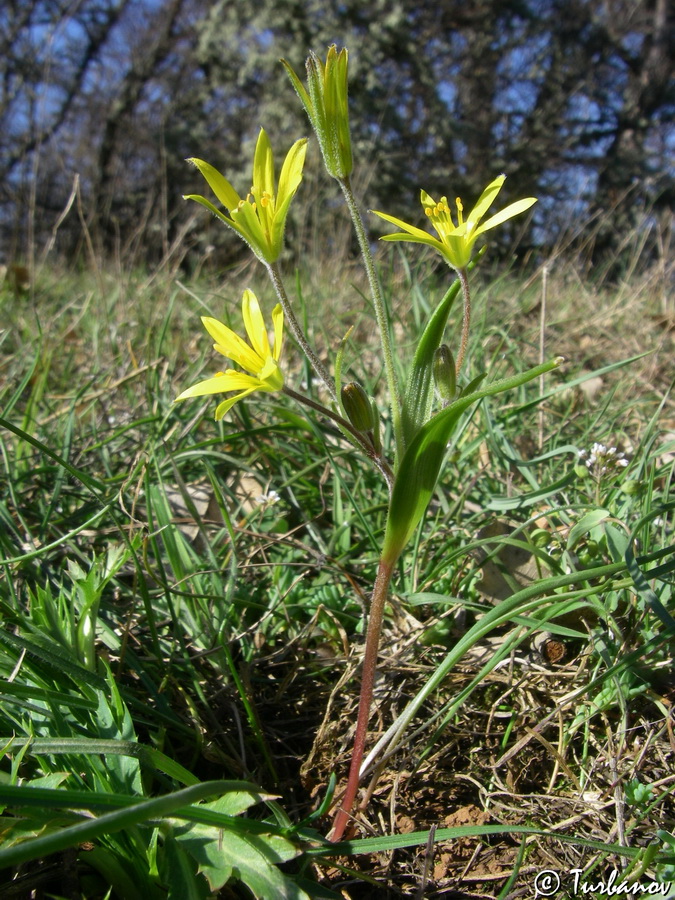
376	615
298	333
358	436
380	314
466	318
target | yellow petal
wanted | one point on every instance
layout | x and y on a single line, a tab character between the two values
514	209
418	233
220	186
263	166
255	325
227	405
215	385
231	345
278	322
248	222
271	377
486	199
291	171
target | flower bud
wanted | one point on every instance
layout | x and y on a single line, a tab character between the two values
325	101
375	431
445	376
358	407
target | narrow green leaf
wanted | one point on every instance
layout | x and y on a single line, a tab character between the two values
420	839
419	393
645	591
418	472
148	756
584	525
119	820
92	483
42	652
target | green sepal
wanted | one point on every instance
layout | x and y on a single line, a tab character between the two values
417	474
419	394
445	373
472	385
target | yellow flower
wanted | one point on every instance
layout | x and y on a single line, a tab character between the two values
260	217
455	241
257	357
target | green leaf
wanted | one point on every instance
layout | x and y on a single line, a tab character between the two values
584	525
418	472
644	590
131	814
421	838
222	852
419	393
47	655
124	875
147	756
184	882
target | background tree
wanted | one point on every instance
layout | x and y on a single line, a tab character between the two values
573	99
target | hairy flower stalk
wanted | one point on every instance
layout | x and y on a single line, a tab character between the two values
326	104
298	333
380	314
466	319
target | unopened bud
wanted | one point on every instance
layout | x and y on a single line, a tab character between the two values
445	375
375	431
358	407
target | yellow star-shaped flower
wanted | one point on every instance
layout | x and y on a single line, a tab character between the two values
257	357
455	241
260	217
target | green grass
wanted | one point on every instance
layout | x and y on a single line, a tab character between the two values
179	660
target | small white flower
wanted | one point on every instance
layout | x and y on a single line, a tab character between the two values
267	499
601	459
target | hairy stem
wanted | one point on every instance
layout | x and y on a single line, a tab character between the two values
297	331
466	318
376	615
380	313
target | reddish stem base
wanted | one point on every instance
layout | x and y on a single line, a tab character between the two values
379	598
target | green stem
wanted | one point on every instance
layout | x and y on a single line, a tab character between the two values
380	314
466	318
362	439
298	333
377	603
